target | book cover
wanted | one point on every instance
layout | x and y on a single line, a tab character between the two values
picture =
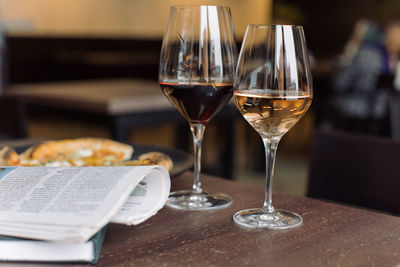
17	249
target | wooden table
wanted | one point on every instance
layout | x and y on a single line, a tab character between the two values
331	235
120	104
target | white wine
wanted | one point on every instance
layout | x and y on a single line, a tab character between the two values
270	112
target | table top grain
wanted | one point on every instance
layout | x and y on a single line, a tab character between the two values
110	96
331	234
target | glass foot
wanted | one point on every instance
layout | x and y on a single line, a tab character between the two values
187	200
258	218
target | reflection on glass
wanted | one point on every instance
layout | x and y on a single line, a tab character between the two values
273	90
197	64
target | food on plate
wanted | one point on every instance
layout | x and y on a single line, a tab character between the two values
8	156
77	152
152	158
81	152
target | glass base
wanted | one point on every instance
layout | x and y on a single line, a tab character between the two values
187	200
258	218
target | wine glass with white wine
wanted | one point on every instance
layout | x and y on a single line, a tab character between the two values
273	90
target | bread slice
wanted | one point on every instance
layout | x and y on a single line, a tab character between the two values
152	158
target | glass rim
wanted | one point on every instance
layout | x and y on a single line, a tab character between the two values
274	25
197	6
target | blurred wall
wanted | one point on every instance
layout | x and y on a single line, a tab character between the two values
113	18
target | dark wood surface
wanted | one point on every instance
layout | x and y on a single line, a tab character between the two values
331	235
107	96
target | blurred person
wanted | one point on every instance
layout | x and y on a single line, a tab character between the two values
364	31
357	86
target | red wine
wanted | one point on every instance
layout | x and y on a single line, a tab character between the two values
197	102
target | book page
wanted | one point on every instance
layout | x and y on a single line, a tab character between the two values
148	197
66	203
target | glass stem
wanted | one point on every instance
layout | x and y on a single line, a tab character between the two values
271	146
197	132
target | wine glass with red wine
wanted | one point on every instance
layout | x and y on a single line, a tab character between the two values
196	72
273	90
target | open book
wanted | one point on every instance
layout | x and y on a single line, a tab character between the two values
71	204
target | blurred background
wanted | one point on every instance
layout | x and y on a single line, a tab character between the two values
354	47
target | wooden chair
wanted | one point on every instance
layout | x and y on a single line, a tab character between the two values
12	118
394	114
356	169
